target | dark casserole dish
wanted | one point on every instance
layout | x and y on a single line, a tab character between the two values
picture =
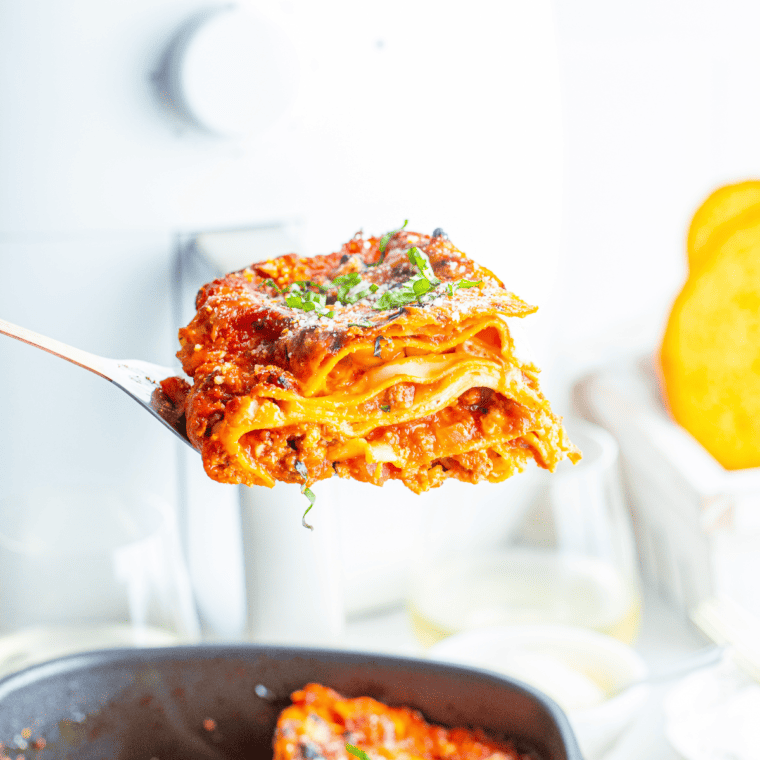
217	702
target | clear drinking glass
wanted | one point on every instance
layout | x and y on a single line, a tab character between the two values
569	556
89	568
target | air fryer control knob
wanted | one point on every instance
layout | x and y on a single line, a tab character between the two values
228	72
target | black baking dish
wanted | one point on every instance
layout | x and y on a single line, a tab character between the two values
140	704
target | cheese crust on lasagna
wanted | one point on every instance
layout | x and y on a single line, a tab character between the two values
320	722
392	358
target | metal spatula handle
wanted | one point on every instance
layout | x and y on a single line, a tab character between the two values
138	379
84	359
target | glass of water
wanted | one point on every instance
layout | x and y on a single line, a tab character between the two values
568	556
85	568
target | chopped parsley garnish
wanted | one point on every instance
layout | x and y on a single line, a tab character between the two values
309	494
413	289
298	296
363	323
454	286
307	300
394	298
385	407
384	240
356	752
345	282
422	262
350	288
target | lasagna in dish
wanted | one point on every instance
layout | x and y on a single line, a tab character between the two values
393	358
320	723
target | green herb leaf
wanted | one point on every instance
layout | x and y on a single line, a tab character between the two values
385	407
309	494
356	752
308	301
393	299
384	240
422	262
357	296
452	287
421	286
417	287
318	299
415	256
272	284
365	323
345	283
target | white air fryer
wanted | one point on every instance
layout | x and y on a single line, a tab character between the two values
129	127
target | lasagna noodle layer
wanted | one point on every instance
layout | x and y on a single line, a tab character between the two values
394	340
359	429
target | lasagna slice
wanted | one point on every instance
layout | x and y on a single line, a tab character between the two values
320	723
392	358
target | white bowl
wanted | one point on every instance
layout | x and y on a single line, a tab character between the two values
585	672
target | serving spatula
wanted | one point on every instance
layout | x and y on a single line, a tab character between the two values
138	379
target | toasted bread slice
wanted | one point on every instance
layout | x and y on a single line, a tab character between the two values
711	350
716	217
